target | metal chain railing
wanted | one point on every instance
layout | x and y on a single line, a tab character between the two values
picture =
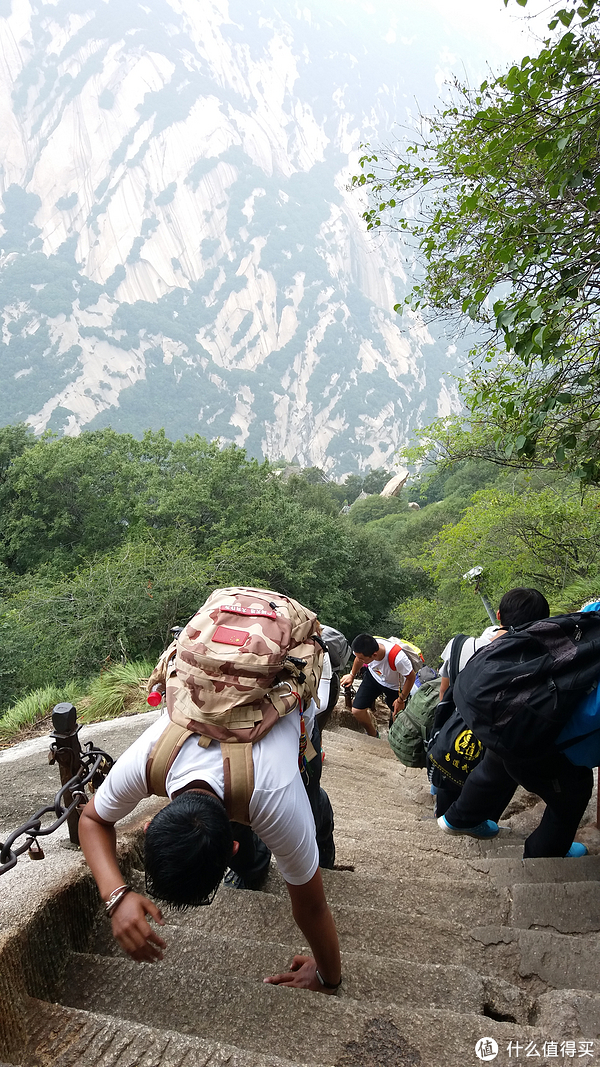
78	768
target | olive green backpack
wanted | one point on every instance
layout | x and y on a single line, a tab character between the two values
409	731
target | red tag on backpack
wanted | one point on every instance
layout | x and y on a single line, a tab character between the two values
223	635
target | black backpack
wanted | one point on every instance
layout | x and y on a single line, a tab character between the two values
517	693
453	750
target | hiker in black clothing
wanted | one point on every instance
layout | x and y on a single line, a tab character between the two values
564	787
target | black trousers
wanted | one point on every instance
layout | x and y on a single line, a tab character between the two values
565	788
252	859
320	803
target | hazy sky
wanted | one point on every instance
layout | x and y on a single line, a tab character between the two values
506	29
485	31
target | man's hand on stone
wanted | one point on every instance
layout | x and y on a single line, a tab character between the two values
133	932
301	975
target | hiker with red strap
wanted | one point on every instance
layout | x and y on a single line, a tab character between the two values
390	674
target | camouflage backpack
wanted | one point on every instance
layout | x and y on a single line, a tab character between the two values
247	658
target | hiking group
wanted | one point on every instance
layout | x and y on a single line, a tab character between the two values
237	751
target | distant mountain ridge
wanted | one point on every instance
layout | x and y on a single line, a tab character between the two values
180	246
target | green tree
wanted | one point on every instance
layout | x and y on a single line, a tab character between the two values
375	480
504	192
353	487
116	607
375	507
70	497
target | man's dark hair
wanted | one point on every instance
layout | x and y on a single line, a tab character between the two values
522	605
188	847
365	645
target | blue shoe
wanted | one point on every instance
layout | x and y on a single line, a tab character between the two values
576	850
483	830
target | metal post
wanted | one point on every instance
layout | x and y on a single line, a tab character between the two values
488	607
66	751
475	576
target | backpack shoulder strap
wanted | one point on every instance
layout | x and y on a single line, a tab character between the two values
393	652
163	756
238	768
454	663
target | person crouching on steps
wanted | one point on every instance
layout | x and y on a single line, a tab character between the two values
191	842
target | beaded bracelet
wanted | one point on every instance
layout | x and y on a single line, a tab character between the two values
115	898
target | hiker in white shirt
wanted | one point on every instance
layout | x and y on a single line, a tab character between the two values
389	674
190	863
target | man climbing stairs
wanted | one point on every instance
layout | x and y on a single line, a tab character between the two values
451	948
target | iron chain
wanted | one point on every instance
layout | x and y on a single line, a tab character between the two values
94	766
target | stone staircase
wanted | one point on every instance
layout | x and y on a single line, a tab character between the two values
445	941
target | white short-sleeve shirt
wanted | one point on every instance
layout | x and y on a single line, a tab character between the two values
383	673
279	808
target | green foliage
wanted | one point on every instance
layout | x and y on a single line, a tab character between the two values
503	189
353	486
375	480
444	480
119	690
544	535
375	507
522	530
119	606
35	707
106	542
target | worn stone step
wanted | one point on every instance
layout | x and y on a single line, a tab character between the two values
69	1037
573	1010
572	908
417	894
491	949
375	846
358	742
542	958
379	929
380	932
366	977
294	1024
507	872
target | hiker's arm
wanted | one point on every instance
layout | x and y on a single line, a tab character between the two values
129	924
349	678
403	695
312	914
444	685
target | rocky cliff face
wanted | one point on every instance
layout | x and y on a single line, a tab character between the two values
180	246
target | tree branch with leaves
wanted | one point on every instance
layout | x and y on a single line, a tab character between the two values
500	191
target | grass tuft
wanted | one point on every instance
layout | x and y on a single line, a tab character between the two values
35	707
120	690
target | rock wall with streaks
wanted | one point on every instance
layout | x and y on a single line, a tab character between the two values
180	247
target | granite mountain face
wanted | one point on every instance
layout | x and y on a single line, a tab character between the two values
180	245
